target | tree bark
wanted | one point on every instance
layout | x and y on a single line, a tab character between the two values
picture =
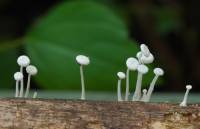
77	114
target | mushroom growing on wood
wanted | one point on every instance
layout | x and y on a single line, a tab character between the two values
121	76
82	61
31	70
132	65
22	61
158	72
142	69
184	102
144	96
18	76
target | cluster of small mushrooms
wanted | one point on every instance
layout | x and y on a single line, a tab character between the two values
139	64
24	62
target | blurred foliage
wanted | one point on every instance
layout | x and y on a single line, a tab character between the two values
74	28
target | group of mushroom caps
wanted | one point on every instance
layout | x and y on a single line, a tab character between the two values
139	64
24	62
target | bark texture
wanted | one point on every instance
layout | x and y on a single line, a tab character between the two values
77	114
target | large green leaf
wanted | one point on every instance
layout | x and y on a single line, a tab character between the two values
74	28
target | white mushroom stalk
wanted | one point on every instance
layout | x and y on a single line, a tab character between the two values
18	76
158	72
31	70
82	61
184	102
22	61
132	65
142	69
121	76
144	96
35	95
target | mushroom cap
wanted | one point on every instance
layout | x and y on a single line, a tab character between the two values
189	87
139	55
82	60
121	75
18	76
144	91
132	63
32	70
142	69
23	60
147	60
145	50
158	71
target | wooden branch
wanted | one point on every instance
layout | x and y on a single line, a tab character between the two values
77	114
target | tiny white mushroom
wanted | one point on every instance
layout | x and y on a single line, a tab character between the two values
147	59
184	102
82	61
22	61
144	95
158	72
145	50
31	70
121	76
132	64
142	69
35	95
139	55
18	76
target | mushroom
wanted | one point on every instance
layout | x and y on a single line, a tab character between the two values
145	50
184	102
158	72
121	76
144	95
22	61
35	95
82	61
147	59
142	69
132	65
18	76
31	70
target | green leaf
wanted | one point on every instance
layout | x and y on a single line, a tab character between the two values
74	28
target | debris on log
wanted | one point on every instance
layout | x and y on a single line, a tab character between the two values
78	114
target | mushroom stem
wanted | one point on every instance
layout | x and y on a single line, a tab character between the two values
82	83
28	86
137	94
184	102
151	88
21	88
17	89
21	83
127	85
35	95
119	96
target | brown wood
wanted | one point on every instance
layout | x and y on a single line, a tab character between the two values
77	114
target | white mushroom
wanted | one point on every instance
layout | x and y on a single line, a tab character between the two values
18	76
139	55
121	76
35	95
82	61
145	50
184	102
142	69
144	95
132	65
158	72
147	60
31	70
22	61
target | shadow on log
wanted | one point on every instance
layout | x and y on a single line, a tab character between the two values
77	114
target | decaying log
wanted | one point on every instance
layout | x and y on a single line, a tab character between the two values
77	114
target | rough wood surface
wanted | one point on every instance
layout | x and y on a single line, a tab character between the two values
77	114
